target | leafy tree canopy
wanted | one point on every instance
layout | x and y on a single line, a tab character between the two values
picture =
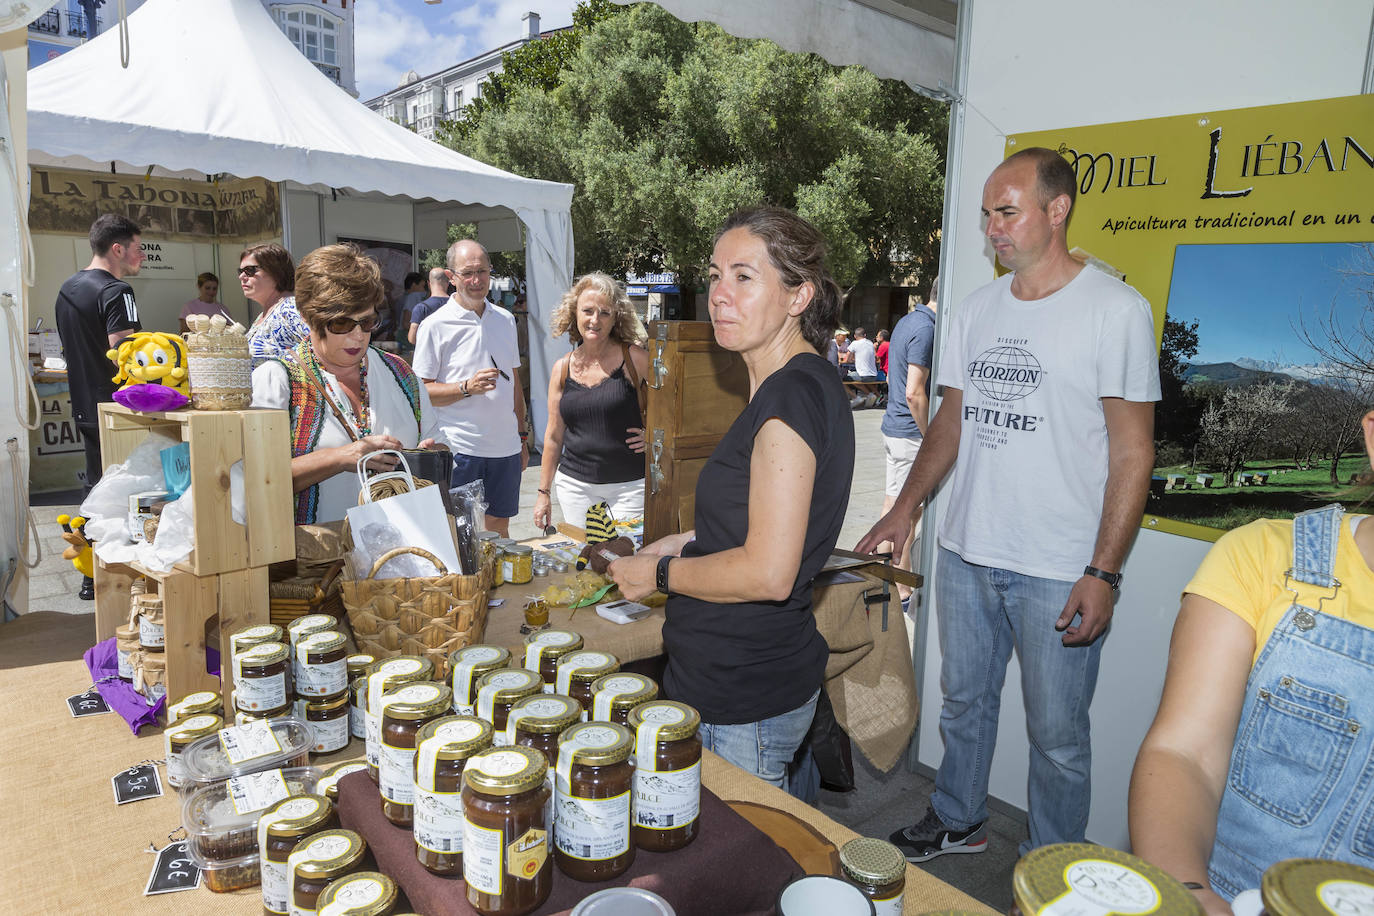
666	127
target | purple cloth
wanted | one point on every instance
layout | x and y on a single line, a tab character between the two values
151	397
102	660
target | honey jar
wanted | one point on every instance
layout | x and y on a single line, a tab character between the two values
506	862
594	780
614	695
466	667
441	753
404	710
667	775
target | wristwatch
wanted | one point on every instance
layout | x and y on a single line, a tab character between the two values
1111	578
661	575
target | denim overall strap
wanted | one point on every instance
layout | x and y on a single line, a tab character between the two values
1301	780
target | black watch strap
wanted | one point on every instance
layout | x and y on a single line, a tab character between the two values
1112	579
661	575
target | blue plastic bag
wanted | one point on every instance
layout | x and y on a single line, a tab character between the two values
176	469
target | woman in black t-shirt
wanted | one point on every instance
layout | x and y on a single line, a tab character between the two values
740	635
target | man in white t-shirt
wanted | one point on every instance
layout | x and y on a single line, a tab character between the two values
865	359
467	355
1050	374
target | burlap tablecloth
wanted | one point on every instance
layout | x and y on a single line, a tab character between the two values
65	847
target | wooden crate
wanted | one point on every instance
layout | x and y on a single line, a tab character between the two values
696	390
219	439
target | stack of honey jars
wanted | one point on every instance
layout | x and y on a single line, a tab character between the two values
303	669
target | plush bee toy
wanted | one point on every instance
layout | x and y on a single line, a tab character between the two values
152	371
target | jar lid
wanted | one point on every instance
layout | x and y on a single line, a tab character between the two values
417	700
871	861
480	657
403	667
676	720
545	713
520	550
506	770
625	690
363	893
198	726
263	654
325	704
460	736
503	543
311	623
599	744
329	853
487	535
554	643
328	786
1075	873
585	666
1297	886
511	683
250	636
357	664
295	816
128	632
192	703
322	641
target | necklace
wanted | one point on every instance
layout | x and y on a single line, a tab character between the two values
363	419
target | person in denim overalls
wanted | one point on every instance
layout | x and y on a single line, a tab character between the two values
1297	780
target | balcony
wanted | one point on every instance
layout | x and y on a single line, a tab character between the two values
50	23
77	26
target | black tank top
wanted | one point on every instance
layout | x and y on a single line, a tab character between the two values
596	423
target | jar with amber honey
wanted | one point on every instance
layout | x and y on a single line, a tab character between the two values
404	711
328	718
381	677
319	859
466	667
537	721
545	648
517	564
614	695
280	829
441	752
320	664
577	671
261	681
667	774
498	691
177	736
594	780
200	703
363	893
506	862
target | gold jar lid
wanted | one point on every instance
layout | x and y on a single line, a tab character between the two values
358	663
676	720
251	636
599	744
363	893
311	623
329	853
189	729
1296	887
506	770
263	654
520	550
297	815
511	684
1100	877
588	666
871	861
321	642
328	785
546	713
628	689
554	643
480	657
201	701
326	704
462	736
418	700
403	667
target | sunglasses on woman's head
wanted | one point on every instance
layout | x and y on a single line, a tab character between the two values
249	270
346	325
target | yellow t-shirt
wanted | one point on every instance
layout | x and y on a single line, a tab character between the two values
1243	572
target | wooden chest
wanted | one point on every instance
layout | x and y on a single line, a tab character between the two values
696	390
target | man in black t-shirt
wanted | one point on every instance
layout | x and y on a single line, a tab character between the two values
438	295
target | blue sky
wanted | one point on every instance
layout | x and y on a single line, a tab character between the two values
1249	298
394	36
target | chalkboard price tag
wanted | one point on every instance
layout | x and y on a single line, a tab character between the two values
173	871
136	784
90	703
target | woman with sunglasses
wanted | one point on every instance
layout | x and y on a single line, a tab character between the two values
345	398
268	278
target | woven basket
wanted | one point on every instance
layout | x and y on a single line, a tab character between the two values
219	367
430	616
302	595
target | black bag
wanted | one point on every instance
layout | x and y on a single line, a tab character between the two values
830	747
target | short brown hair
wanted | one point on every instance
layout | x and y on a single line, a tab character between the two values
628	328
1053	174
276	260
207	277
336	281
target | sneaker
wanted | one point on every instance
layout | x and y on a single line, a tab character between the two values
930	838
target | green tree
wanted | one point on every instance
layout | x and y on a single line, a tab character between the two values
666	127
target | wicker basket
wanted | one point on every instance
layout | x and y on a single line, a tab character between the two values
219	366
430	616
302	595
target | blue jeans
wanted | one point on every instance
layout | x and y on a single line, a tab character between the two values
984	614
765	748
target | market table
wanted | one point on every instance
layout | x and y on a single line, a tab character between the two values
67	848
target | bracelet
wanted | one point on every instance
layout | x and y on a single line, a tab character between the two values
463	387
1194	886
545	492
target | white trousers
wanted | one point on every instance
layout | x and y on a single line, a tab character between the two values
575	497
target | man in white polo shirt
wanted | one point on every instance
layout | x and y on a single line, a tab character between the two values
467	355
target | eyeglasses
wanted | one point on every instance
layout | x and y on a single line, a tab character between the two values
346	325
249	270
466	275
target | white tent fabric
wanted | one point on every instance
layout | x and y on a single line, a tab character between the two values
215	87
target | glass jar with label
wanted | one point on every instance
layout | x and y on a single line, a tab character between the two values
318	860
545	648
1295	887
667	774
328	718
498	568
517	564
404	710
248	637
357	707
498	691
280	829
126	644
152	633
243	717
363	893
442	750
310	623
877	868
357	665
594	781
466	667
1083	877
328	785
486	542
380	677
150	675
261	681
577	671
614	695
202	702
506	831
537	721
319	665
177	736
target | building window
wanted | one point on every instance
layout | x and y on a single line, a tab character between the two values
314	33
455	99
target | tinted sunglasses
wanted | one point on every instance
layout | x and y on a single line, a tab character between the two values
346	325
250	270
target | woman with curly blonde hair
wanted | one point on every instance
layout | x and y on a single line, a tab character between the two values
594	442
